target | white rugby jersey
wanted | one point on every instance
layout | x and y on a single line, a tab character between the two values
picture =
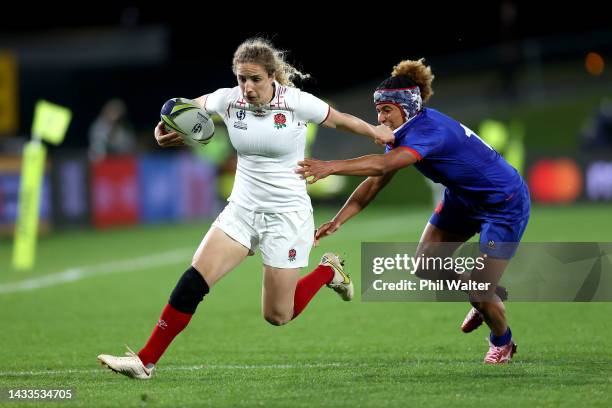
270	140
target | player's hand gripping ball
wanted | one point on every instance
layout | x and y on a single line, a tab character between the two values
185	117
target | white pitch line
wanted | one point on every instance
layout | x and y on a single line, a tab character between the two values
178	368
74	274
380	228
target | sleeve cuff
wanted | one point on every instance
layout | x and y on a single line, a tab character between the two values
411	150
326	116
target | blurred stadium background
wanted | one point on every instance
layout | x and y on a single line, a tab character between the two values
537	87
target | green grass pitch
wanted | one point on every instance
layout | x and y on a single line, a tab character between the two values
335	354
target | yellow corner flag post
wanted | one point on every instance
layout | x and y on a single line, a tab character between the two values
50	124
26	227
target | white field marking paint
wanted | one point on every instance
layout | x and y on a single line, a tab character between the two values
77	273
179	368
380	227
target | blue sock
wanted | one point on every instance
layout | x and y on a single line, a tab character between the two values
502	340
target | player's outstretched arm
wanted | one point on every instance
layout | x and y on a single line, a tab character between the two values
349	123
361	197
371	165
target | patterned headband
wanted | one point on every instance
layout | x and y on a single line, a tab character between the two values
408	99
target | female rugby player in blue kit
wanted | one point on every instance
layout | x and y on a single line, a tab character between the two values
484	194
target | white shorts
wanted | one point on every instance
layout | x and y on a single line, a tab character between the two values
285	239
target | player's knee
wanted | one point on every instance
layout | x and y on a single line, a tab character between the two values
276	318
205	269
489	306
483	298
189	291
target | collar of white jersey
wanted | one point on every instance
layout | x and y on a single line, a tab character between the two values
277	88
277	94
263	110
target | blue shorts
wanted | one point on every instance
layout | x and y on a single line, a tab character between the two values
500	225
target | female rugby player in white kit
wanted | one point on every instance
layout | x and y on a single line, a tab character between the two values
269	207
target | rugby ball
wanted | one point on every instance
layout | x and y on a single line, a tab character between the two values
185	117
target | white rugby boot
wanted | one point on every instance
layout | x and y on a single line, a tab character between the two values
130	365
341	283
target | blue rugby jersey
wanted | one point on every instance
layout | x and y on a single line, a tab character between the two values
452	154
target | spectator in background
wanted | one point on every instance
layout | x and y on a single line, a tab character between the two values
111	133
598	133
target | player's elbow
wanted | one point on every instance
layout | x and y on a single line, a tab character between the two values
384	168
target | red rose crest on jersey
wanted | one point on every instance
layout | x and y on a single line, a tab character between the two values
292	254
279	121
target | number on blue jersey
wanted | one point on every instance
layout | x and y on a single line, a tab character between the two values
469	133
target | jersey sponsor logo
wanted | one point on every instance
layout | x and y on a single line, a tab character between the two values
280	121
241	114
292	254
